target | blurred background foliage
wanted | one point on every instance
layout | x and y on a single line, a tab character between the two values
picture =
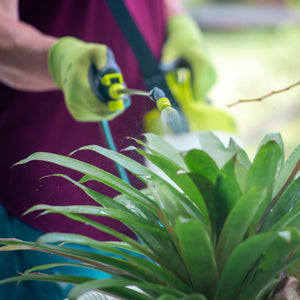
256	49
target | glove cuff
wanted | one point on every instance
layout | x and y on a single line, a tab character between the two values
56	57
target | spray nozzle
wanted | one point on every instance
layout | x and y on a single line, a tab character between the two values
170	116
158	96
109	88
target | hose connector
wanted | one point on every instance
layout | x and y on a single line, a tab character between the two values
114	90
158	96
162	103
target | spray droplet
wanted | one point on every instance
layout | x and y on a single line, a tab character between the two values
173	119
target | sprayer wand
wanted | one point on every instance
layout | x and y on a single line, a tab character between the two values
157	95
169	115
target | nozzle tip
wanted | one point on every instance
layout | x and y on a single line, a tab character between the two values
156	94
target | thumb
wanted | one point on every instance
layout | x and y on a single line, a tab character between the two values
169	53
204	77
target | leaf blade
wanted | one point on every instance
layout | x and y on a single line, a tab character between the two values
237	224
240	262
198	254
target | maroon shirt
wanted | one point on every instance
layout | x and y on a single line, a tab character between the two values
31	122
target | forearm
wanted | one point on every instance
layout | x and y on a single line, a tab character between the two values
174	7
23	55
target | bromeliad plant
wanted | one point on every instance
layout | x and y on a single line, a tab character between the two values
221	228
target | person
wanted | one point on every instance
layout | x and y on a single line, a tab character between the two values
46	105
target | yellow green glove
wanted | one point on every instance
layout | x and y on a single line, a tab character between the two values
185	41
189	84
70	61
200	115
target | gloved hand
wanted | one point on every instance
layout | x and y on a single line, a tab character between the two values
200	115
69	60
189	85
185	41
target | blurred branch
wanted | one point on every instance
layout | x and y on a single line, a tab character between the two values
265	96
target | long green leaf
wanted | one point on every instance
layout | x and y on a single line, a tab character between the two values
293	269
169	204
207	190
267	291
189	297
48	277
281	248
287	240
131	165
94	172
240	262
237	224
241	175
171	209
195	297
264	278
289	199
111	265
153	241
292	218
287	169
213	146
55	265
117	249
165	250
184	183
234	149
119	202
75	254
263	170
198	254
172	167
142	248
124	217
147	233
201	163
277	138
124	292
227	193
159	147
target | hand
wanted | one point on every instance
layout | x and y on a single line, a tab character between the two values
69	61
189	84
185	41
200	115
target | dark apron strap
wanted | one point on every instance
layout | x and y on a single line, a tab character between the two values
152	74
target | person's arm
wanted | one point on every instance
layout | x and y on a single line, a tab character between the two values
33	61
23	52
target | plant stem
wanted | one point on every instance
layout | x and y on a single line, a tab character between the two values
279	194
265	96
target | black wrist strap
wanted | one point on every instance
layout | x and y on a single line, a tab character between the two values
152	74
